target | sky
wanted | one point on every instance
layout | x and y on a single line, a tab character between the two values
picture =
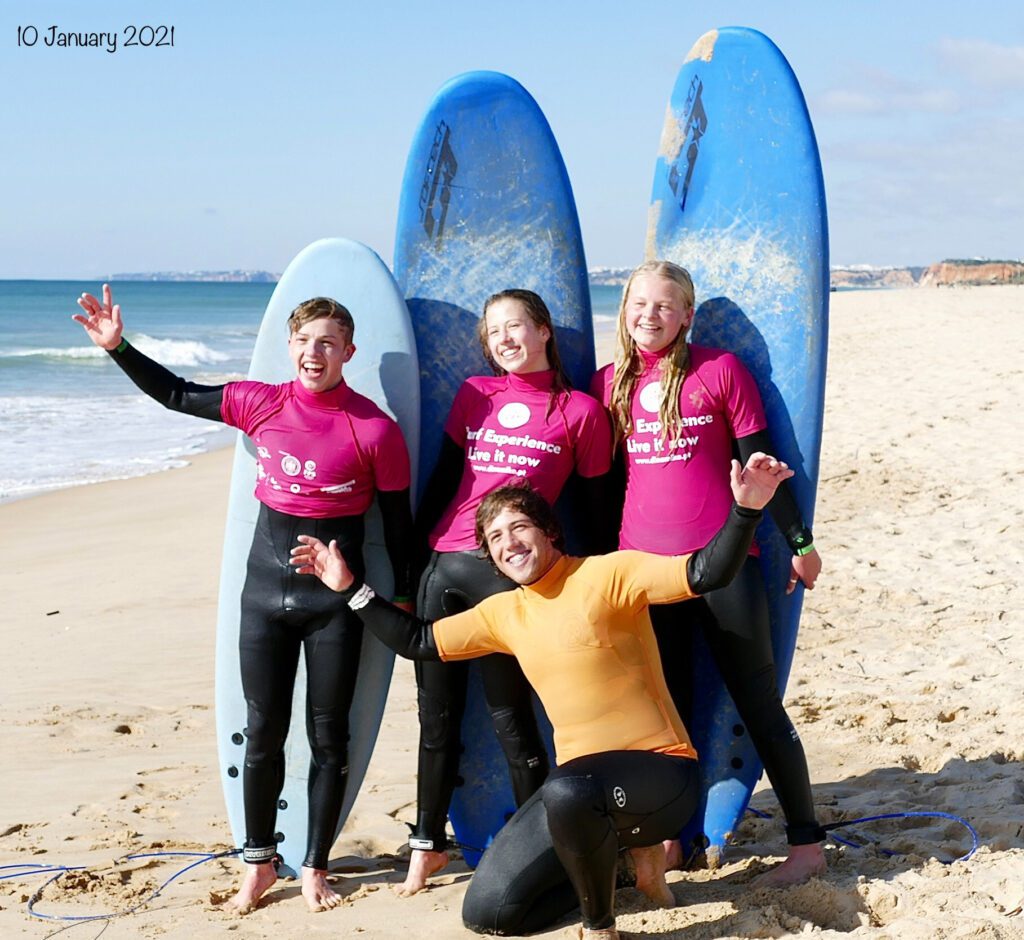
269	125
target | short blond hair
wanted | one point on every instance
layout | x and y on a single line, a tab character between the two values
319	308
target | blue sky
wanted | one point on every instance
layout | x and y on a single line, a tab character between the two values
269	125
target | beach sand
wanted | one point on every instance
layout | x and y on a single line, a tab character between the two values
907	686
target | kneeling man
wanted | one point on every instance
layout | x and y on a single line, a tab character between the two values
627	772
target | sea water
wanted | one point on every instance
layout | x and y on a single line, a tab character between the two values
69	415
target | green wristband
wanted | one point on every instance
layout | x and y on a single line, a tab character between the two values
400	600
806	550
122	346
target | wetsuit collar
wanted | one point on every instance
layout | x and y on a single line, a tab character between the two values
550	579
650	360
331	400
530	381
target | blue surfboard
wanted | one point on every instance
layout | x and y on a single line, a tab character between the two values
738	200
381	368
486	205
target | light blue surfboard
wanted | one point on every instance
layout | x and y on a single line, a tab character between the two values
486	205
738	200
383	369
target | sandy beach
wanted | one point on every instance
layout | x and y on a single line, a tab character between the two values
907	685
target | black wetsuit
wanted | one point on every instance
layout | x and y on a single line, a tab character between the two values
281	613
735	623
560	847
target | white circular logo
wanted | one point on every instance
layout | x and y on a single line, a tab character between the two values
620	797
650	397
295	488
291	465
514	415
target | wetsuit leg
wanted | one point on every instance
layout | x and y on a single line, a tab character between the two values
441	694
520	886
280	612
268	654
510	703
739	637
593	807
332	650
452	582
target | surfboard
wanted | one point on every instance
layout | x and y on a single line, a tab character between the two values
738	200
486	205
381	369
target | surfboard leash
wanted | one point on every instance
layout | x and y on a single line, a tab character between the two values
937	814
26	870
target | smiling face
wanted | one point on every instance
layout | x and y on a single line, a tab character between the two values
318	350
516	343
519	548
656	310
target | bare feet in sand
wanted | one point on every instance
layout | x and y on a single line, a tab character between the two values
650	874
319	895
422	864
258	878
673	855
804	862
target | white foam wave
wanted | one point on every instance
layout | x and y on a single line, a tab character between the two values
168	352
54	441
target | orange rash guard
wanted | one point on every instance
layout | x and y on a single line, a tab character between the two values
583	637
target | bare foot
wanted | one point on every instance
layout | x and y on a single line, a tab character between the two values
650	874
673	855
804	862
319	895
422	864
258	878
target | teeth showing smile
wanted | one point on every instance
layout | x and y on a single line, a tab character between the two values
509	352
518	559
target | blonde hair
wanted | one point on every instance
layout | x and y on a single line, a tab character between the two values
629	364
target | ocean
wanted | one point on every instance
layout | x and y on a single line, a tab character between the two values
69	416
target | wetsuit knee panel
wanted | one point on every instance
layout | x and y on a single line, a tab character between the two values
328	736
265	733
436	726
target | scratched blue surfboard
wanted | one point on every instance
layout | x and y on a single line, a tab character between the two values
738	200
486	205
381	369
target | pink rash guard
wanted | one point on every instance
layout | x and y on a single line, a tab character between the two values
504	426
677	490
319	454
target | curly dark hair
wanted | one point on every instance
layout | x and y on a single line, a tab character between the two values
519	497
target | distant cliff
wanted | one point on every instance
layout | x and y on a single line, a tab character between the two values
948	273
944	274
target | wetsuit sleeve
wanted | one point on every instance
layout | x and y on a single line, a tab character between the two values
636	579
598	514
166	388
406	634
783	508
396	516
441	488
718	562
